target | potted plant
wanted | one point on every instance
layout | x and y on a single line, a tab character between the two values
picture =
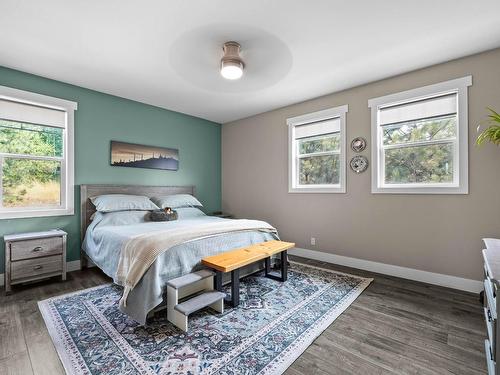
492	133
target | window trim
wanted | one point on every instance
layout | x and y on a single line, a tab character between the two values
461	181
330	113
67	172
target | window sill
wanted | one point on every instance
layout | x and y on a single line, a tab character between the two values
421	190
36	213
318	189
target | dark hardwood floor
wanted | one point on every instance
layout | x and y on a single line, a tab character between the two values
396	326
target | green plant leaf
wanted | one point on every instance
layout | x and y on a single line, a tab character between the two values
492	133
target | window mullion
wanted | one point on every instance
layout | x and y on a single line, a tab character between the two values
319	136
322	153
31	157
419	143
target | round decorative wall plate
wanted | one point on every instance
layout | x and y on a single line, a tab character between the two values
359	163
358	144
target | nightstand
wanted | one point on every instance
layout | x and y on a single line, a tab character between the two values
34	256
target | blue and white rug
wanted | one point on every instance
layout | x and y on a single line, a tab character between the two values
274	323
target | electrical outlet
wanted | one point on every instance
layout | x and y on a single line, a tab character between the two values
313	241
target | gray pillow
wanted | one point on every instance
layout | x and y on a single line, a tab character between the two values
176	201
122	202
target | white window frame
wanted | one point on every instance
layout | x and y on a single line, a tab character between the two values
67	160
460	185
330	113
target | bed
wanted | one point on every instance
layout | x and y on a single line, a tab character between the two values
103	242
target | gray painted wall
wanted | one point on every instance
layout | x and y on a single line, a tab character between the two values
436	233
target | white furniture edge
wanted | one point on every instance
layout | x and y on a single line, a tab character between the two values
70	267
33	235
324	114
459	85
454	282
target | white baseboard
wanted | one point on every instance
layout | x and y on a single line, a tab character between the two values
70	267
468	285
449	281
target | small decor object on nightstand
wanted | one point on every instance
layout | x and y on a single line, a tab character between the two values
358	144
34	256
359	163
223	215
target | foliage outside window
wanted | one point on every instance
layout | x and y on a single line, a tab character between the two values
420	151
31	164
36	174
317	151
319	160
420	140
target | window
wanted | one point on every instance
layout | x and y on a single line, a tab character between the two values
420	140
36	155
317	152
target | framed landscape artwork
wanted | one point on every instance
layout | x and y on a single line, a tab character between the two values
140	156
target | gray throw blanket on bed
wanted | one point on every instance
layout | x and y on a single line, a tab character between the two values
140	252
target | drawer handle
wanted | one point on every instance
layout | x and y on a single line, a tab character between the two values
39	267
37	249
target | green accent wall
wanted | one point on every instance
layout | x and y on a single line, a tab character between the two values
101	118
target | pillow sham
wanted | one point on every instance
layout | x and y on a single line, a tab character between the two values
189	213
121	217
122	202
176	201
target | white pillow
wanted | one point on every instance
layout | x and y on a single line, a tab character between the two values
122	217
189	213
176	201
122	202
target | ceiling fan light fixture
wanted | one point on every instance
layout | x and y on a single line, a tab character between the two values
231	64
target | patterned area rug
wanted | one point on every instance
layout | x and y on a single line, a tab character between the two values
274	323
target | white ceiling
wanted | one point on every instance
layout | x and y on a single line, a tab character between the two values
167	52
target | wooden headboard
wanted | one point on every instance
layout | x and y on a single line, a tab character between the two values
87	191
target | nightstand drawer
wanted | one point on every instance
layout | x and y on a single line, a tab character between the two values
35	267
41	247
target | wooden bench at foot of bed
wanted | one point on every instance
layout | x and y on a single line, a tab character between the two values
233	260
